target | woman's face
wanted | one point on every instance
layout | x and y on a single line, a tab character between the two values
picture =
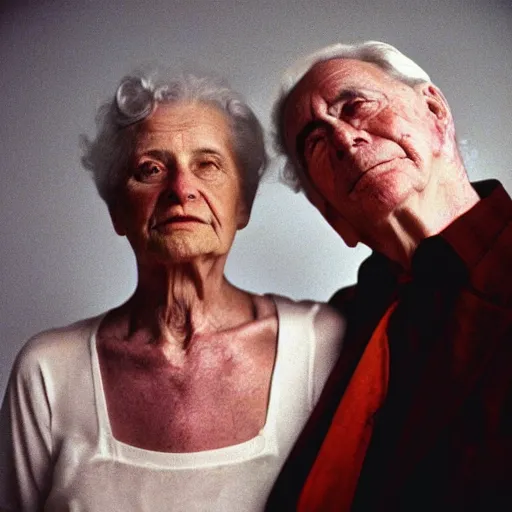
181	197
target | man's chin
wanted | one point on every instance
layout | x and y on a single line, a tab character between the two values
382	196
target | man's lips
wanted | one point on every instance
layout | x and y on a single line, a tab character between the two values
374	166
377	165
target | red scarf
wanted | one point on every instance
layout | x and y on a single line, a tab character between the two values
332	481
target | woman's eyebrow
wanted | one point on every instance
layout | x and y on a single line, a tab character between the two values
165	155
160	154
207	151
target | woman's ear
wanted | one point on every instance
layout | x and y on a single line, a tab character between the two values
116	217
243	212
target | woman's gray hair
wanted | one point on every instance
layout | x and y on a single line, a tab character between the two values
119	122
383	55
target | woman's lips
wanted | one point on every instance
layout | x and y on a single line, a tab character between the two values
177	220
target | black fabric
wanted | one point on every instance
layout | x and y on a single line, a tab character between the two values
424	308
441	440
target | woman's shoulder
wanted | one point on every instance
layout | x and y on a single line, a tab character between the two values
316	328
320	313
56	347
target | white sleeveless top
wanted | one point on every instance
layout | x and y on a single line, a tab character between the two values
61	454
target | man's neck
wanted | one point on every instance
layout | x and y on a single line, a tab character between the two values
422	216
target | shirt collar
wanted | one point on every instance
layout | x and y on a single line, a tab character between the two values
455	251
472	235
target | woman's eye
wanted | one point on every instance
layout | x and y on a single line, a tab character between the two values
207	166
149	171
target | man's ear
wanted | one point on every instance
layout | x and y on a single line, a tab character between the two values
314	197
337	222
441	117
436	102
341	226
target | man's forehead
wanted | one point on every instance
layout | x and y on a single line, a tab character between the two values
327	78
325	82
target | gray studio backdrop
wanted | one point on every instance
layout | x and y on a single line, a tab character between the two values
60	259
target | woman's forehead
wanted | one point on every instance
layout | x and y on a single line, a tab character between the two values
185	113
193	121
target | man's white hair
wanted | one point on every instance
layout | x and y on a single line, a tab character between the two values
383	55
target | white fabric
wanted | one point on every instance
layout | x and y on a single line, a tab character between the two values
62	453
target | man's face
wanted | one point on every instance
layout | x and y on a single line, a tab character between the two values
181	196
367	142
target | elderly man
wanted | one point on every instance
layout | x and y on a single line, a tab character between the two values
417	414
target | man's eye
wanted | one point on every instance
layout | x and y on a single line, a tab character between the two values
149	172
356	107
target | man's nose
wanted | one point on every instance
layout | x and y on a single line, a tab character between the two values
346	138
182	186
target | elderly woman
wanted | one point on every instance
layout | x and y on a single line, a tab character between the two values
189	395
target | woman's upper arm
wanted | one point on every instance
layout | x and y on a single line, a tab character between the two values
25	440
329	327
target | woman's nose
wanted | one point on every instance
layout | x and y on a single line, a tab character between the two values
182	187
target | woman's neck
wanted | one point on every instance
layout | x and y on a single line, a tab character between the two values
172	305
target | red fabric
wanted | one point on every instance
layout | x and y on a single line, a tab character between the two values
443	438
333	479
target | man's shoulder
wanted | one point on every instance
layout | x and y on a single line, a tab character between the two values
342	299
376	273
482	240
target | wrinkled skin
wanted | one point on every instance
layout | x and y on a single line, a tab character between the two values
182	196
379	155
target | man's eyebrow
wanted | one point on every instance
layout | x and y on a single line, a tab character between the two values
300	140
347	93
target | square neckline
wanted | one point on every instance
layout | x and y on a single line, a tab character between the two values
264	443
